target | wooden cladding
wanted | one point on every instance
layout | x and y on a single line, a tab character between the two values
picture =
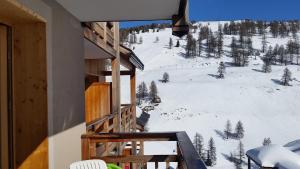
30	96
97	101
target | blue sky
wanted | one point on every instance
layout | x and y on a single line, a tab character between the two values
203	10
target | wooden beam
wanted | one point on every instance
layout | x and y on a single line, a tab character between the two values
123	73
138	158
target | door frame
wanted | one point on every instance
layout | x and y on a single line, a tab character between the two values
9	115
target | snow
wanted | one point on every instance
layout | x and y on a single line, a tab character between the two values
195	101
275	156
294	146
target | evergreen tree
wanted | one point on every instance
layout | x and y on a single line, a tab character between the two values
212	151
171	43
200	44
241	152
219	42
267	141
286	77
142	92
228	129
165	78
190	46
211	45
234	51
239	130
290	47
141	40
281	54
177	44
256	54
153	91
264	43
198	144
249	46
221	70
267	61
134	38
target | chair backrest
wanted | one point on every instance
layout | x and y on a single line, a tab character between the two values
89	164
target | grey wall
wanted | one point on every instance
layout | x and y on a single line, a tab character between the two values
65	71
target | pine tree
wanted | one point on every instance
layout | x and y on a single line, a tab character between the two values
249	46
198	144
287	77
189	46
141	40
228	129
153	91
219	42
165	78
241	152
267	61
239	130
221	70
142	92
266	68
281	53
264	43
199	44
134	38
234	51
212	151
171	43
177	44
267	141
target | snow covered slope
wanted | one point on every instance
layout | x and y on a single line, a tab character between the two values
195	101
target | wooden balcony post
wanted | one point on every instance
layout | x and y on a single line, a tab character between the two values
133	107
88	149
116	102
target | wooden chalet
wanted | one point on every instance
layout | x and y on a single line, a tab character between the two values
60	84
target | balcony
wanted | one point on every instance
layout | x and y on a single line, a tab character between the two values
186	156
100	35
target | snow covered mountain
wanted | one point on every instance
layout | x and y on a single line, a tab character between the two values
195	101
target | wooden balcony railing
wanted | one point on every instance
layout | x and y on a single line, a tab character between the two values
100	36
186	156
108	123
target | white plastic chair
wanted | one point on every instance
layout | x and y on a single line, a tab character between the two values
89	164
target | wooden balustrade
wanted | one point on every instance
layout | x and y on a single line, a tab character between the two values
186	157
108	122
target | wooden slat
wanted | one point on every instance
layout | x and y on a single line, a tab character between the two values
126	137
97	102
138	158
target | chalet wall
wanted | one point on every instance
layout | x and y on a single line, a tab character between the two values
65	74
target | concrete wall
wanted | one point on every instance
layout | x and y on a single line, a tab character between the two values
65	71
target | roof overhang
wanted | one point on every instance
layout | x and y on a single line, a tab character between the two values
129	59
92	51
130	10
